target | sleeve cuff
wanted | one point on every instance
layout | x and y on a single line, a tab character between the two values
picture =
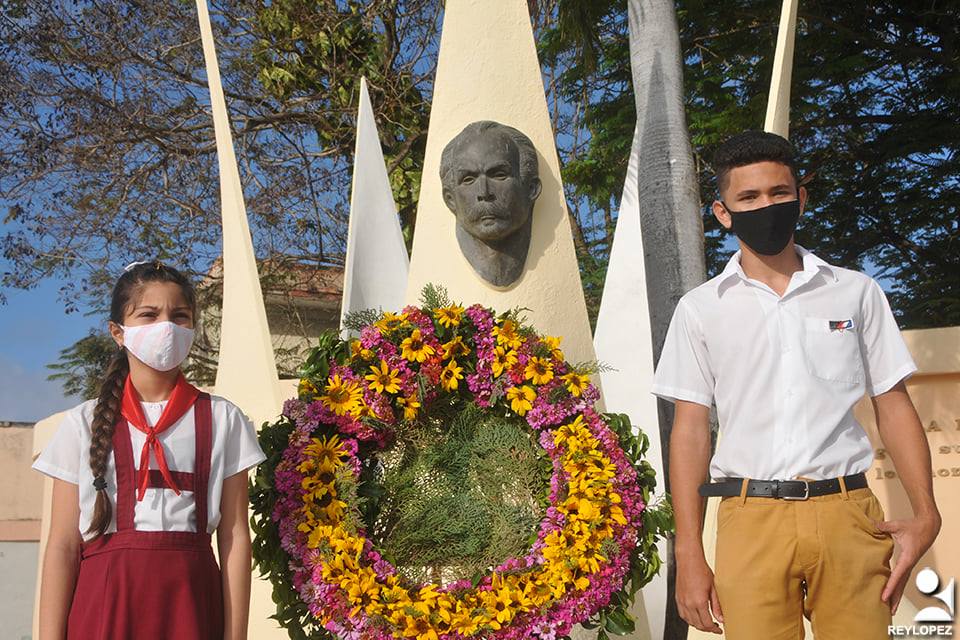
55	472
672	394
245	464
904	372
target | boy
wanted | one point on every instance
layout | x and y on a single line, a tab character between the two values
785	345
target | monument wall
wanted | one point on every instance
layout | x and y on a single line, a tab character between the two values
935	390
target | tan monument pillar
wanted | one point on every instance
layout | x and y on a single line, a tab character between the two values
488	70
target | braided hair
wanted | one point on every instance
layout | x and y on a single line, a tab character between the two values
107	410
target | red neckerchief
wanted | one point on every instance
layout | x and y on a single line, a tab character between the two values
183	396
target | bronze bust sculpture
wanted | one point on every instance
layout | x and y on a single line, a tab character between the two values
490	179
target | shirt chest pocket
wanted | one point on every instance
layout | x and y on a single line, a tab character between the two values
832	353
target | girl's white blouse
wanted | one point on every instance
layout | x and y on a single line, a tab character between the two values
235	449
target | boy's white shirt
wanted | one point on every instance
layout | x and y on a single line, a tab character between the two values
784	372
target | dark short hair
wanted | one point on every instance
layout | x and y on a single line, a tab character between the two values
751	147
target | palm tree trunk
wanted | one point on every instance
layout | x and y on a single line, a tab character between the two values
669	201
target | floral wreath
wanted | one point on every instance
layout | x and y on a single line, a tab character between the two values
593	549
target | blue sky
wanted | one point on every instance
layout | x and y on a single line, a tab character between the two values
34	328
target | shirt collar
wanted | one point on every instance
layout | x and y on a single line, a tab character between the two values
811	266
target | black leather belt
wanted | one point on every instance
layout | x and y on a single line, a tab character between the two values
783	489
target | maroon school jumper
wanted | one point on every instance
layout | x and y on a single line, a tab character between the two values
151	585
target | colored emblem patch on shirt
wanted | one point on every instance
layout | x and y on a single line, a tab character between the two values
841	325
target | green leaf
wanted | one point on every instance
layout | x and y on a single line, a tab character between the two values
620	623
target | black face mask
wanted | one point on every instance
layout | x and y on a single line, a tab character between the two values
768	230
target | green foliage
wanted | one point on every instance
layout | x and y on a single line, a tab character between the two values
434	296
330	348
459	495
875	99
317	52
81	366
354	321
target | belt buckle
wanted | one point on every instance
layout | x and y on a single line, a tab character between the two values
806	491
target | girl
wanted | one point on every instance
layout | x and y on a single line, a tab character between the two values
142	476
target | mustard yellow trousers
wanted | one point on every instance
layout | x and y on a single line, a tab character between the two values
822	558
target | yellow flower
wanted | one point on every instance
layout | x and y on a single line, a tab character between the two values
570	430
420	628
384	378
449	316
498	604
585	509
537	591
390	322
318	535
410	406
616	514
576	383
455	348
323	451
415	349
462	621
553	343
332	508
307	389
357	351
362	410
451	375
342	396
446	606
581	583
318	486
589	558
539	370
337	566
428	595
589	466
507	335
521	398
502	360
361	588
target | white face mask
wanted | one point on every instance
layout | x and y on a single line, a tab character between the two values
160	345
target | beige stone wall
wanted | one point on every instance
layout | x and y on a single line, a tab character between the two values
935	390
294	329
20	487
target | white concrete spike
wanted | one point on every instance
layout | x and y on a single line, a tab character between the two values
247	370
623	341
778	103
376	266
